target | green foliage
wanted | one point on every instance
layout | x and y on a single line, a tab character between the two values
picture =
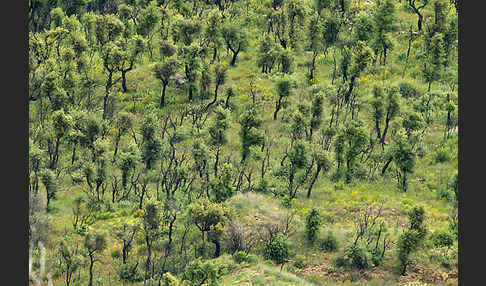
130	272
355	256
277	249
442	238
312	224
169	280
250	134
198	272
411	240
240	256
329	243
159	169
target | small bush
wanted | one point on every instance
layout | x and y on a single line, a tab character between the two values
116	253
239	256
407	90
355	256
299	261
313	221
278	249
442	155
130	272
169	280
252	258
329	242
442	238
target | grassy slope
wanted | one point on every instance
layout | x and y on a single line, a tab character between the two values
335	200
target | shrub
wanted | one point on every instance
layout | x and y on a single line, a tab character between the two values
278	249
252	258
355	256
329	242
116	253
240	256
169	280
198	272
130	272
442	155
411	239
300	261
407	90
442	238
313	221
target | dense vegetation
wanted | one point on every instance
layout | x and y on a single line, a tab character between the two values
243	142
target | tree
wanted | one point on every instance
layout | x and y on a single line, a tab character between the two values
284	91
212	33
123	124
384	18
191	58
404	158
62	124
416	7
360	60
164	71
70	259
210	218
349	144
131	51
364	28
151	144
150	220
295	167
148	19
48	179
217	129
235	38
220	78
94	244
125	231
186	31
385	105
36	162
435	59
316	113
267	54
322	164
222	186
411	239
250	134
316	41
312	224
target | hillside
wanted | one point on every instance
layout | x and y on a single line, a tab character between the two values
243	142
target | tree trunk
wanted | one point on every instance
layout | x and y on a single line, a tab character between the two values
313	180
162	98
215	53
74	154
107	93
235	54
277	108
217	251
56	154
386	166
385	130
91	262
149	255
313	67
124	80
350	90
216	162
